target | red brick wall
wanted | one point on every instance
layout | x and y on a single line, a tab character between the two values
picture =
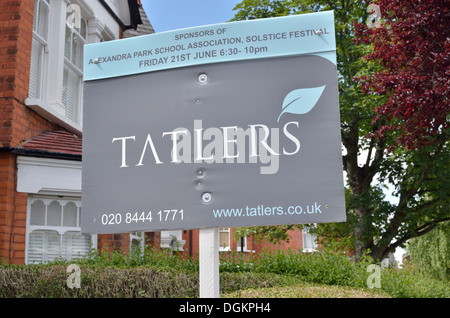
113	242
7	183
191	247
153	239
253	244
16	26
295	243
13	213
17	122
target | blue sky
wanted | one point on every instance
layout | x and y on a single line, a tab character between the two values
167	15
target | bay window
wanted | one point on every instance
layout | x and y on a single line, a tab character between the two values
60	30
53	230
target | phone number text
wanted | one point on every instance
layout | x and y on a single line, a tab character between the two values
142	217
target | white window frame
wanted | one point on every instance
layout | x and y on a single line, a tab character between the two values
49	102
61	230
72	67
140	236
238	247
307	237
42	59
223	248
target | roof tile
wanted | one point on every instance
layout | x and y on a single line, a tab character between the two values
57	141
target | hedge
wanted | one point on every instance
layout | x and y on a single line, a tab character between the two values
50	281
96	281
159	274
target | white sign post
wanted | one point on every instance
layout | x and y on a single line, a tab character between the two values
209	263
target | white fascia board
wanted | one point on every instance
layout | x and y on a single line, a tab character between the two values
48	176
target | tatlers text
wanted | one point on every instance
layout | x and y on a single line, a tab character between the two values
257	143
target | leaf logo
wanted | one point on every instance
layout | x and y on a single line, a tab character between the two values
301	101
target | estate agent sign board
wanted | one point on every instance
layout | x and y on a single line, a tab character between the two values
224	125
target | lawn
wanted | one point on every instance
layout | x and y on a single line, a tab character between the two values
307	291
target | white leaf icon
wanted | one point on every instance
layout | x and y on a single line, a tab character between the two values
301	101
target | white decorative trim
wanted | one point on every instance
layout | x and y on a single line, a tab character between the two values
94	29
109	34
172	240
59	229
166	241
87	11
178	245
48	176
46	162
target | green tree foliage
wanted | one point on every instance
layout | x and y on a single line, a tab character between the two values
370	161
430	254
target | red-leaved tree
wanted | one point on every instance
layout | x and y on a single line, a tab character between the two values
411	43
393	92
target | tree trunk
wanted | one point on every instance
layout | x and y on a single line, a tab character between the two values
363	241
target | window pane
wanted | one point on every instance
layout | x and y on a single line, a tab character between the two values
136	242
44	246
54	214
36	15
42	24
68	43
37	213
71	91
83	29
77	50
35	68
309	241
53	246
70	215
75	245
224	239
36	247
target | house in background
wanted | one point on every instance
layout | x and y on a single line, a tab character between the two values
41	94
41	98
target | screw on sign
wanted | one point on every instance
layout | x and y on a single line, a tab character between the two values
207	197
203	78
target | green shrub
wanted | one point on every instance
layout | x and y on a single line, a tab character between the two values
403	284
156	273
337	269
325	268
150	256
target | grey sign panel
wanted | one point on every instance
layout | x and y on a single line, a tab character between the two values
242	143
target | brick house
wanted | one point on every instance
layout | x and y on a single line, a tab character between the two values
41	71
